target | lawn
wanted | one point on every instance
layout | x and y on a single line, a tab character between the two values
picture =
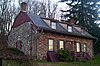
94	62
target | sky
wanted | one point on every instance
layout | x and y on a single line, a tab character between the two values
61	6
55	1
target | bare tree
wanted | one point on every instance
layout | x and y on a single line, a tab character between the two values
8	11
3	8
7	14
34	7
51	8
42	8
3	23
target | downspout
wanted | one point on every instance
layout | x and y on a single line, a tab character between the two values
31	41
37	37
36	46
95	44
96	41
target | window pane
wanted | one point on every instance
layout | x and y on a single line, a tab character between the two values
50	45
61	44
69	28
84	48
53	25
18	45
78	47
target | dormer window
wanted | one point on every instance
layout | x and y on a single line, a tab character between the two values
53	25
69	28
83	31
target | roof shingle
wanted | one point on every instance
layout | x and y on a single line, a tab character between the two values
38	21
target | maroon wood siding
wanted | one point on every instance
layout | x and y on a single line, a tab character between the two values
21	18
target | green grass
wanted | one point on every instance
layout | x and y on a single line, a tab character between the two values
94	62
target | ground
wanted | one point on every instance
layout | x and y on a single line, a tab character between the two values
94	62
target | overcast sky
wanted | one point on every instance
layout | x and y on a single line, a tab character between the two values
38	0
61	6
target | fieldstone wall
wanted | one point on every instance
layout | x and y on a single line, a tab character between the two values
23	33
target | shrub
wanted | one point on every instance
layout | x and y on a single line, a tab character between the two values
14	51
64	55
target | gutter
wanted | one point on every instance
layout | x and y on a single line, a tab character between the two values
68	34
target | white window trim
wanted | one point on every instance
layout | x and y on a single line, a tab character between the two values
78	47
61	44
84	47
53	25
51	44
70	29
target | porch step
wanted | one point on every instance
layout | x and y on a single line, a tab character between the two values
78	56
87	57
52	56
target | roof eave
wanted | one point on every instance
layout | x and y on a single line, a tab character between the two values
55	32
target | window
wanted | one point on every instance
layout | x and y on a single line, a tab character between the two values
69	45
61	44
53	25
69	28
83	31
19	45
50	45
84	47
78	47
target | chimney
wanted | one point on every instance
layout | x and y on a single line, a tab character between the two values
23	7
72	21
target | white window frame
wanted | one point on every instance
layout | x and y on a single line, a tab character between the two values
78	47
61	44
53	25
69	28
51	44
84	47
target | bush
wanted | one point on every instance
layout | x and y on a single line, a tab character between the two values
64	55
14	51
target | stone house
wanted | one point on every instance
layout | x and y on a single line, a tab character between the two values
36	36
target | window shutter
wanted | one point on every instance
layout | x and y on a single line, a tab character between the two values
58	45
16	44
20	45
64	45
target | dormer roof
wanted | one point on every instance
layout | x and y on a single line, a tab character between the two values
42	25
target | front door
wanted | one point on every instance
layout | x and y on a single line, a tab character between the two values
69	45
